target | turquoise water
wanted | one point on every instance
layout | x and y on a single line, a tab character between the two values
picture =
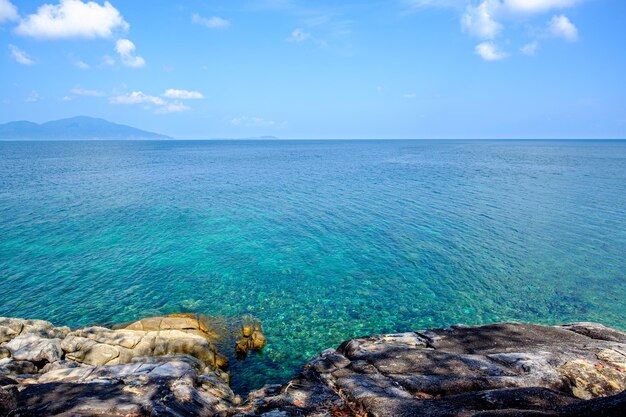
322	240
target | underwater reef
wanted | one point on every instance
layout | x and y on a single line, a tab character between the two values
177	366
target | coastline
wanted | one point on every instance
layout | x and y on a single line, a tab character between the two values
177	366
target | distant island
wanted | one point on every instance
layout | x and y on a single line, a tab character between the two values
75	128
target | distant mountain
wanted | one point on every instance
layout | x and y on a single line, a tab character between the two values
75	128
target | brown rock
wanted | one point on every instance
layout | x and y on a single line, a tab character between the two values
593	379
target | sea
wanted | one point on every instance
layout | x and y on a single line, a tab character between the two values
321	240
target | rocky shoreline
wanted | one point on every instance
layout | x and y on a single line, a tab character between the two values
177	366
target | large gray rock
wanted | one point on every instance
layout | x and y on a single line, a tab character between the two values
507	369
11	328
163	366
33	348
171	388
11	367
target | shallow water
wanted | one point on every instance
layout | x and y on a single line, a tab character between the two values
322	240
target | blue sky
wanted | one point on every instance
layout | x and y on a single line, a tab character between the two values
321	69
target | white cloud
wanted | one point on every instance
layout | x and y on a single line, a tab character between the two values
137	97
82	65
479	20
72	19
489	52
299	35
409	95
8	11
183	94
20	56
162	106
213	22
126	50
88	93
246	121
33	97
174	107
562	27
530	48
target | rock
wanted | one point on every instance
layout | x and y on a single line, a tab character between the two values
12	327
10	366
4	352
251	336
190	360
596	331
33	348
169	387
212	329
7	381
101	346
247	331
505	369
591	379
362	347
62	364
166	366
170	366
8	399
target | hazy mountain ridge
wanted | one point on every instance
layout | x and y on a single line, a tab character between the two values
74	128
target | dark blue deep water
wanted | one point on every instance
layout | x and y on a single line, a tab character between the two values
322	240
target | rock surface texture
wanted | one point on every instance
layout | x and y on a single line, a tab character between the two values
176	366
507	369
159	366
